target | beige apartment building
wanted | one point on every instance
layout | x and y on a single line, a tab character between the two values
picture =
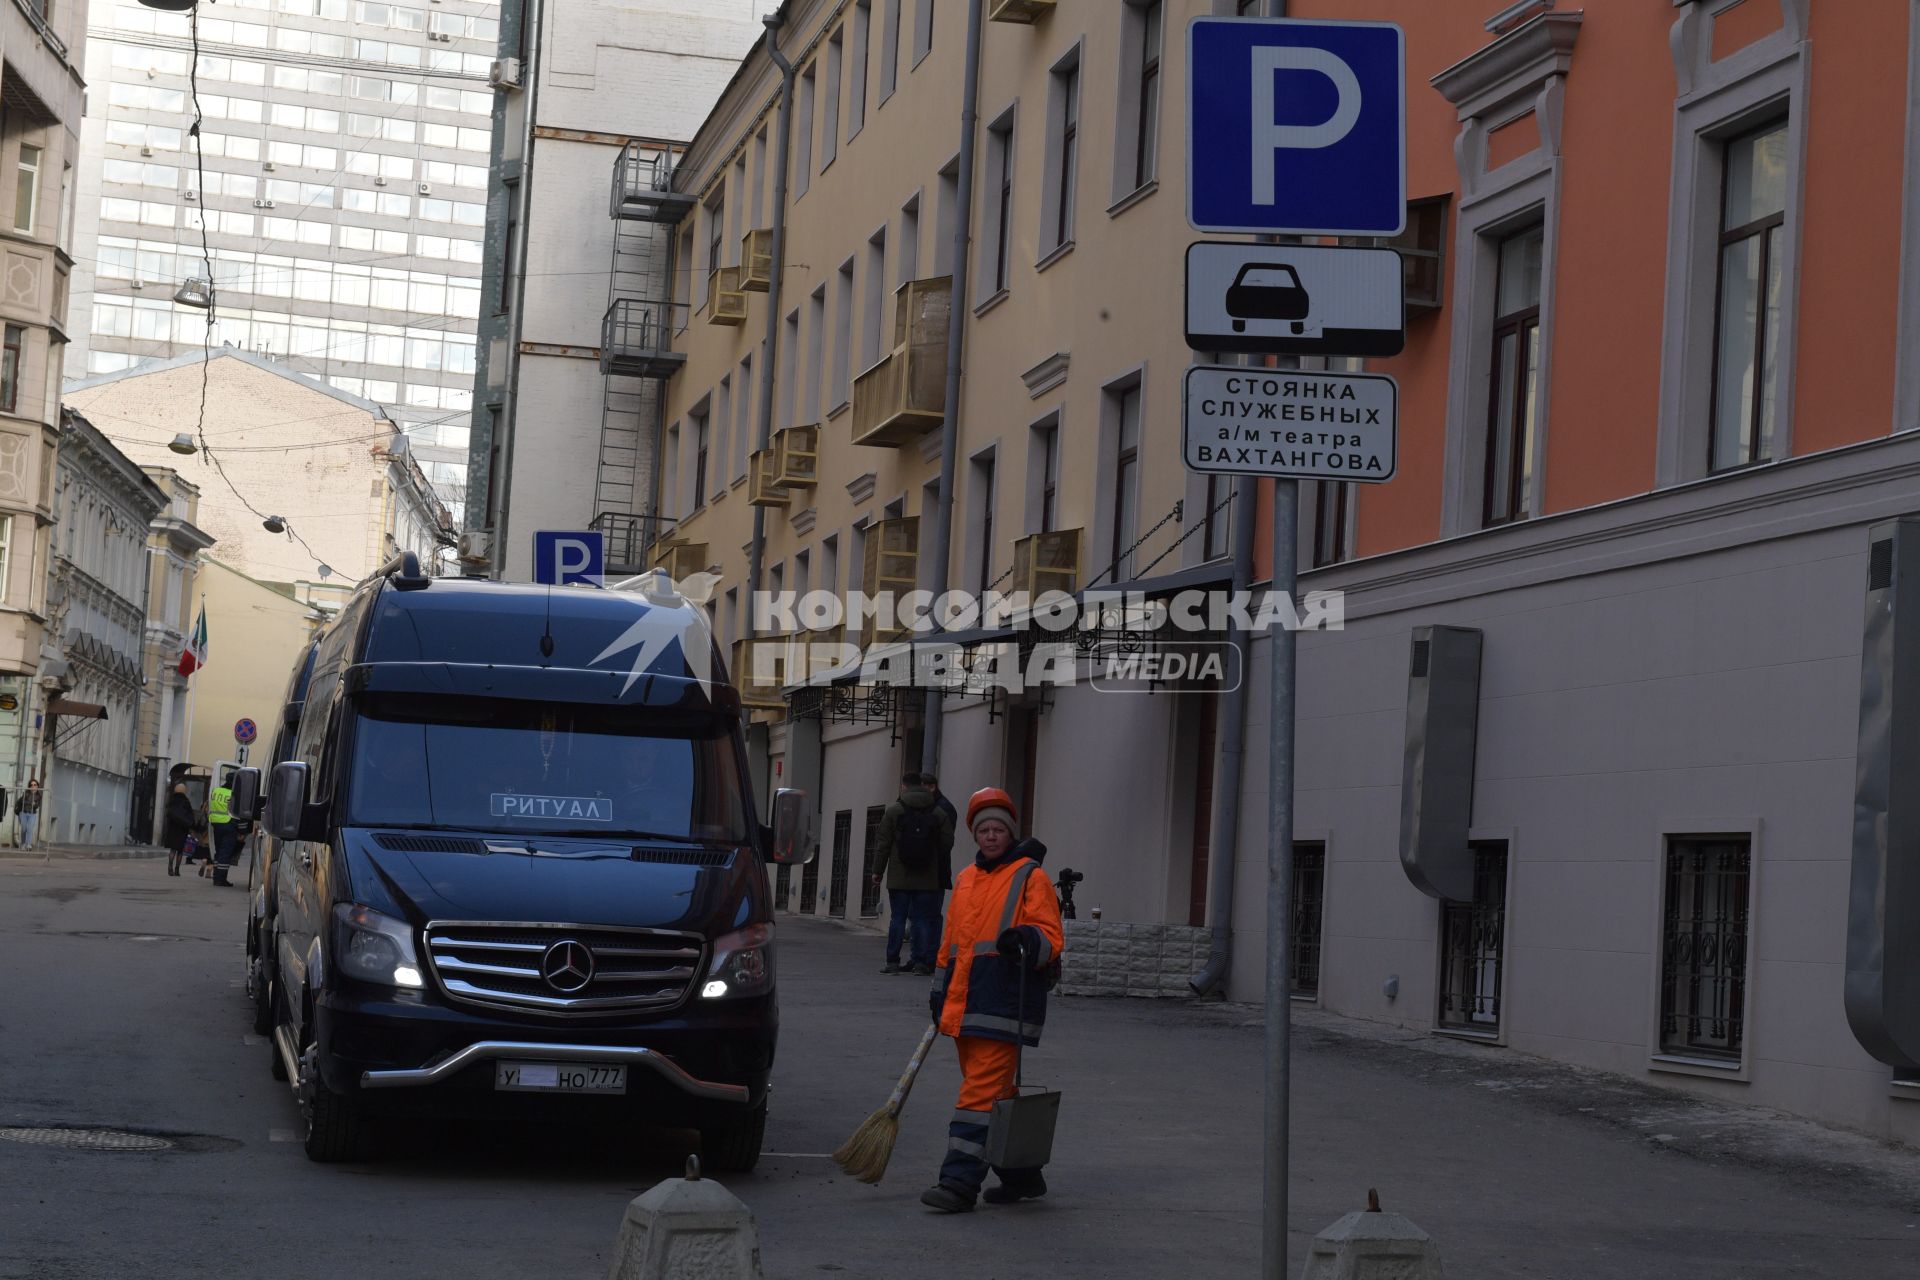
1657	410
41	88
331	465
175	551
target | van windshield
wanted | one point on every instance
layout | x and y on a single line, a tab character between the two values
588	770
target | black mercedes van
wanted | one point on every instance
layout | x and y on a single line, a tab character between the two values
519	866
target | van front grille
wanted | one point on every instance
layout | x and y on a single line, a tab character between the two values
564	969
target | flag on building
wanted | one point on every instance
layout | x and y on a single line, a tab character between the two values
194	656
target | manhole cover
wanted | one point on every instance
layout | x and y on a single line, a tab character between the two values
85	1139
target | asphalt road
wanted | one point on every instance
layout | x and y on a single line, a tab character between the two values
120	1007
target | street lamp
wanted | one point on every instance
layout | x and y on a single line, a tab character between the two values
183	444
274	524
197	291
171	6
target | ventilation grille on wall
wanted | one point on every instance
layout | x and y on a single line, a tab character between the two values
1420	648
1880	565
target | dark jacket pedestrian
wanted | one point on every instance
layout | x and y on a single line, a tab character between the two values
932	783
914	840
181	820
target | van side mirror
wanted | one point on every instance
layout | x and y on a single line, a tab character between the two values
793	836
287	802
245	805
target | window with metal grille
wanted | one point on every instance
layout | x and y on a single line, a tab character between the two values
1703	953
842	853
870	863
782	888
1473	937
810	887
1309	889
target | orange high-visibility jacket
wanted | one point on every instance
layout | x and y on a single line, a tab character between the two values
976	990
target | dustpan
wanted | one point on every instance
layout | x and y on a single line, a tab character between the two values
1020	1128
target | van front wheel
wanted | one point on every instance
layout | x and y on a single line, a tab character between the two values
730	1140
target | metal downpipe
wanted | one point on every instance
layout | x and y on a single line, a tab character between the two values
1224	828
956	348
770	355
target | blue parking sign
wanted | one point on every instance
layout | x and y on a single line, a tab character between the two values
563	558
1296	127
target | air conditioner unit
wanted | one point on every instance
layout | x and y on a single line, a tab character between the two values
426	188
146	151
263	204
192	194
139	284
268	166
380	180
476	546
504	74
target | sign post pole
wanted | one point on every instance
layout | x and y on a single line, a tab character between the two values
1279	1045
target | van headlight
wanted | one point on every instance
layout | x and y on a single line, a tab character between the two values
375	948
742	964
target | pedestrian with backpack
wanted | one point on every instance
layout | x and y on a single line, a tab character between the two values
915	838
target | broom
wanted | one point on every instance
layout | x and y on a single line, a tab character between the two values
864	1156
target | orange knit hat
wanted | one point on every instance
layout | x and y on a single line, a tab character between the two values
992	802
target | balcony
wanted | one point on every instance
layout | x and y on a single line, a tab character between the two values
904	396
890	565
761	691
643	186
635	337
630	540
756	261
763	485
1049	561
681	560
796	457
726	300
1022	11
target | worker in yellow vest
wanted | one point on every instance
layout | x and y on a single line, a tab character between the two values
225	839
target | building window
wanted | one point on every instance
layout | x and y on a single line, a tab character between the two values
716	236
874	303
26	193
985	496
803	132
861	25
830	109
1137	132
998	232
1330	507
945	216
1703	954
699	463
843	856
722	428
747	399
889	48
1063	154
1513	399
1215	517
870	887
837	390
6	546
1126	479
1473	940
1753	214
1049	443
1309	891
922	30
10	369
816	340
907	256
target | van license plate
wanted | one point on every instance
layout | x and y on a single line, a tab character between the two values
559	1077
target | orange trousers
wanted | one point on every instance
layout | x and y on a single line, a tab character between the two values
987	1069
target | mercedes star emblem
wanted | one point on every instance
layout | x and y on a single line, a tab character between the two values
567	966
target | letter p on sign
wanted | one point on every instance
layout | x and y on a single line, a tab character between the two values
1296	127
560	558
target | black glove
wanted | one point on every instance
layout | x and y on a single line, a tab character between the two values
1011	945
935	998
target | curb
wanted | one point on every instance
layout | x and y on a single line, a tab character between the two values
104	853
